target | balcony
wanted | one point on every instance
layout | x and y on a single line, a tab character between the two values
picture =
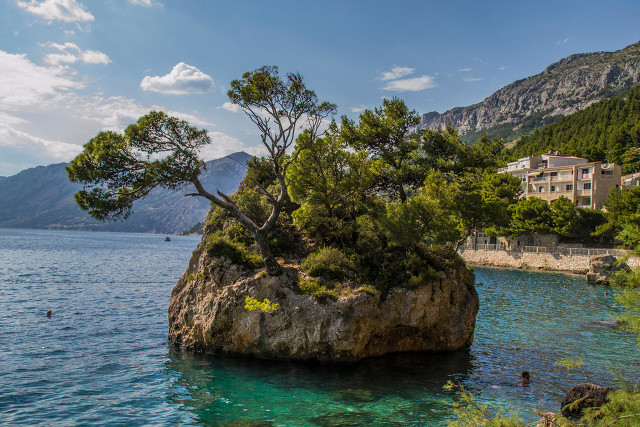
502	170
565	177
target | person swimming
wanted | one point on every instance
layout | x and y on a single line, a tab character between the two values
525	378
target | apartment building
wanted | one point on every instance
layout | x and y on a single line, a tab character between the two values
632	180
552	175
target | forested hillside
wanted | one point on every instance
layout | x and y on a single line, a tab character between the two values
607	131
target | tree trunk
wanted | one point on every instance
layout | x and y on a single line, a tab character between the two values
270	263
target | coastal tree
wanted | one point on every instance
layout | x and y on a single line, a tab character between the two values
387	134
162	151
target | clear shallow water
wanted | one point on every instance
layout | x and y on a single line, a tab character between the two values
103	357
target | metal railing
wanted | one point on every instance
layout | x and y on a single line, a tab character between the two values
592	251
536	249
546	250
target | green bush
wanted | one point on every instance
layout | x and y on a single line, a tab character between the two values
219	246
314	287
330	263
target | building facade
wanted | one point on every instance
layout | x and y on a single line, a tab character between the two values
552	175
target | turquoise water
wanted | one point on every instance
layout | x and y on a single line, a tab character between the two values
102	358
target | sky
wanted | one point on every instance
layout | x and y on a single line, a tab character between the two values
72	68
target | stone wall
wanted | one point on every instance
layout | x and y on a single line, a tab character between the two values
532	261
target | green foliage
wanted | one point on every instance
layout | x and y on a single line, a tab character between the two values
386	133
531	216
564	214
330	263
471	413
623	208
498	192
116	170
571	364
605	131
331	186
313	286
265	306
219	246
191	277
622	409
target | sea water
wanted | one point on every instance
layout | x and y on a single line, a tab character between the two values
103	357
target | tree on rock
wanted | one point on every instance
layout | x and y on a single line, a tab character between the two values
159	150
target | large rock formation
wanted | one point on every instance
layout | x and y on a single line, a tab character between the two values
602	267
569	85
207	313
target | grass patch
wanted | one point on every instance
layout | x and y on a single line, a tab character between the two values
218	246
313	286
330	263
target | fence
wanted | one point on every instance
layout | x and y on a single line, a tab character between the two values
546	250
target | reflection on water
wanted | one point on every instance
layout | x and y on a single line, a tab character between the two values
103	359
395	389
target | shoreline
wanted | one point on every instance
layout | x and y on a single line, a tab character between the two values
515	260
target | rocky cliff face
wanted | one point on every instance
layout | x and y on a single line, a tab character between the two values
207	313
564	87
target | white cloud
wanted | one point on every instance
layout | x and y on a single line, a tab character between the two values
396	73
563	41
63	10
221	145
465	70
358	109
145	3
182	80
230	106
45	148
70	53
27	84
501	68
472	79
413	84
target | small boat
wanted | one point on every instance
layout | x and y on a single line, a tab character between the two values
167	239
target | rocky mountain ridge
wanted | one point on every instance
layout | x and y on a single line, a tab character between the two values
564	87
42	197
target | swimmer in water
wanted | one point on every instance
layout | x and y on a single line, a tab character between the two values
525	379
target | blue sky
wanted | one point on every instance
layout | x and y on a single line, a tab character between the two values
71	68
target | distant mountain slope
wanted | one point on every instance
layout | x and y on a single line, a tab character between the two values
42	197
564	87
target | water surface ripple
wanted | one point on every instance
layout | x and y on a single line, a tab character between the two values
102	358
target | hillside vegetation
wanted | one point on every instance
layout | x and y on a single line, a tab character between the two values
564	87
607	131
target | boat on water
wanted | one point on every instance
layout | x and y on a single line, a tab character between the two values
167	239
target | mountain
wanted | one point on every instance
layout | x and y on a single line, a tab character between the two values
607	131
42	197
564	87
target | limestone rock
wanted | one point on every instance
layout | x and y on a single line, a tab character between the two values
207	313
601	267
569	85
584	396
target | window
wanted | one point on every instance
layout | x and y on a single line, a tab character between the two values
587	186
569	187
553	188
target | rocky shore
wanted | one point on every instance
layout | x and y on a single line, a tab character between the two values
596	269
208	312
